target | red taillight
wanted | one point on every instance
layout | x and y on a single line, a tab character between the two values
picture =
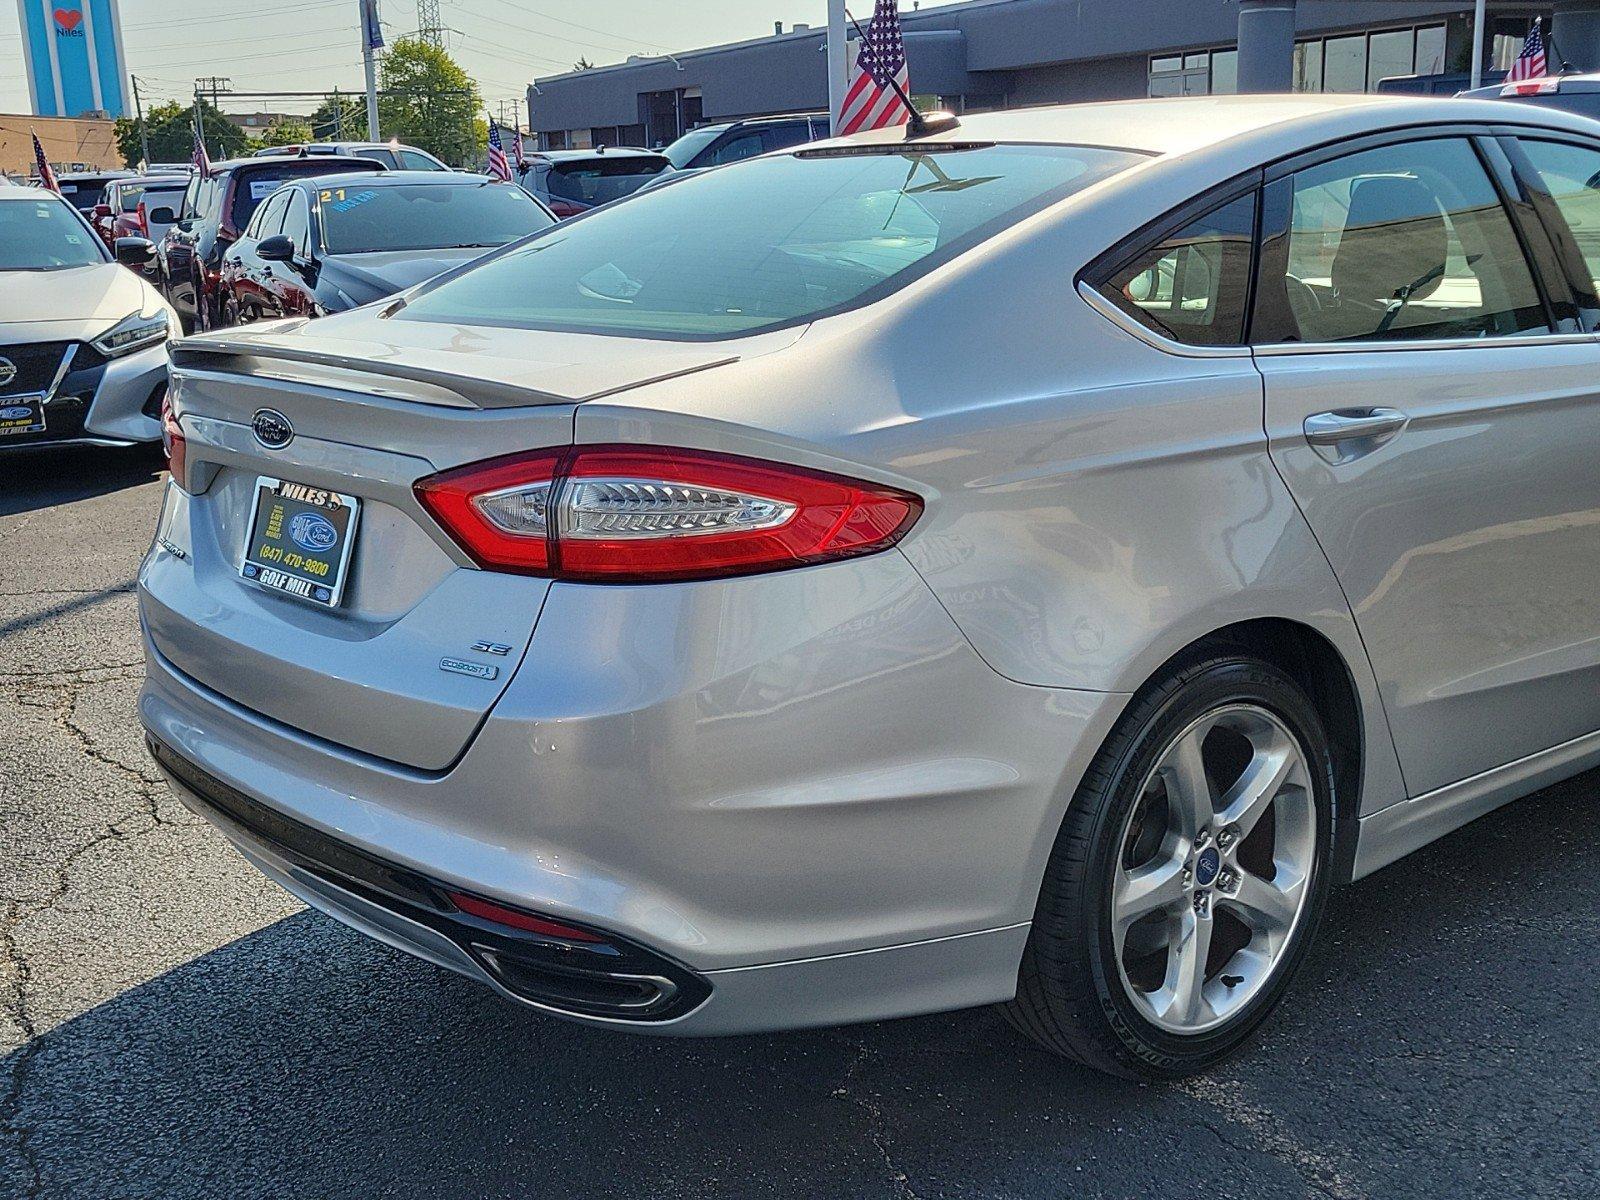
641	514
486	910
564	209
173	444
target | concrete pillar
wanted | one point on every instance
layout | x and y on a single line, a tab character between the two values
1266	45
1577	34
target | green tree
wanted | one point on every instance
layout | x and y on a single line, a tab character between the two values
429	101
170	128
286	132
342	118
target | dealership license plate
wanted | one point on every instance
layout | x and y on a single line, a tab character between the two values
300	540
21	414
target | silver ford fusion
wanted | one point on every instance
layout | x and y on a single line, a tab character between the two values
1030	562
83	340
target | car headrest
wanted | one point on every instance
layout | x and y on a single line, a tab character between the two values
1395	238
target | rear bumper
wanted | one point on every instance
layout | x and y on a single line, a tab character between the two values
805	791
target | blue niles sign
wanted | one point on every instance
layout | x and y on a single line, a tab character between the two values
74	57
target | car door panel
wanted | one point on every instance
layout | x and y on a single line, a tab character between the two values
1459	507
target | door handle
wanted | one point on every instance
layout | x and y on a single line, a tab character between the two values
1346	434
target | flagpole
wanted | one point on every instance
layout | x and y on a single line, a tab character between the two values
1478	21
837	71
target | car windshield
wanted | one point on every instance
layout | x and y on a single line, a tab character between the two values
426	216
597	181
682	151
771	242
44	235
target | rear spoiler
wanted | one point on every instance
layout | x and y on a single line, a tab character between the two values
348	372
368	374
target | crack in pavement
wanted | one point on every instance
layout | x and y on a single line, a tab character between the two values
141	818
877	1122
1266	1137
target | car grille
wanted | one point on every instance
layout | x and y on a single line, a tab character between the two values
36	366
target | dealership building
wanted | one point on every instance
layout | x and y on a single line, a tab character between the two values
987	54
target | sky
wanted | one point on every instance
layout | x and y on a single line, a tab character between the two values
314	45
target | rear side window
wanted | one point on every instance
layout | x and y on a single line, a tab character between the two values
1405	241
1571	174
1194	285
768	243
415	161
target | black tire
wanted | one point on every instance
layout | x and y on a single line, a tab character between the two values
1070	996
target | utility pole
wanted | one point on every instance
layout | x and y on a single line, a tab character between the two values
338	116
144	132
371	43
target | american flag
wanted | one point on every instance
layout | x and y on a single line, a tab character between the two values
1532	63
870	101
199	157
498	167
519	156
47	177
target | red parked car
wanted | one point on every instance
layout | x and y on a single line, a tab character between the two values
128	204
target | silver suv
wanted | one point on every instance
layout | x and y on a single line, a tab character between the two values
1027	565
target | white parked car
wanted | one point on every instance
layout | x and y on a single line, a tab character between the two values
83	339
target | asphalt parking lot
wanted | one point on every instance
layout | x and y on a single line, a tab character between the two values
177	1027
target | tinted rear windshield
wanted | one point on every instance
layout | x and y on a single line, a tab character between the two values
426	216
766	243
84	196
599	181
253	185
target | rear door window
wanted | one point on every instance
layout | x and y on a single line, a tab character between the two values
1408	241
1193	285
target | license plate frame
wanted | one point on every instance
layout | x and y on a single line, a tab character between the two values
285	559
14	422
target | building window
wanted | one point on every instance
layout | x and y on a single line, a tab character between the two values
1197	73
1359	62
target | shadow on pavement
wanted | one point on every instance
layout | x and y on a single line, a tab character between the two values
1442	1043
33	479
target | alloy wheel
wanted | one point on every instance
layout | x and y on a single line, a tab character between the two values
1214	869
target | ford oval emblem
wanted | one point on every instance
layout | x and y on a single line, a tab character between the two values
15	414
8	371
313	533
272	428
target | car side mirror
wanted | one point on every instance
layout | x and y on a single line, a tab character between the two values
276	248
101	211
164	216
136	252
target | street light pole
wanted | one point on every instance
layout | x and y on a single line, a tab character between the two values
1477	42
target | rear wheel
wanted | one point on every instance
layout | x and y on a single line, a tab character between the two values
1189	876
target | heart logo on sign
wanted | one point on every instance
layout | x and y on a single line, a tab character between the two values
68	19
